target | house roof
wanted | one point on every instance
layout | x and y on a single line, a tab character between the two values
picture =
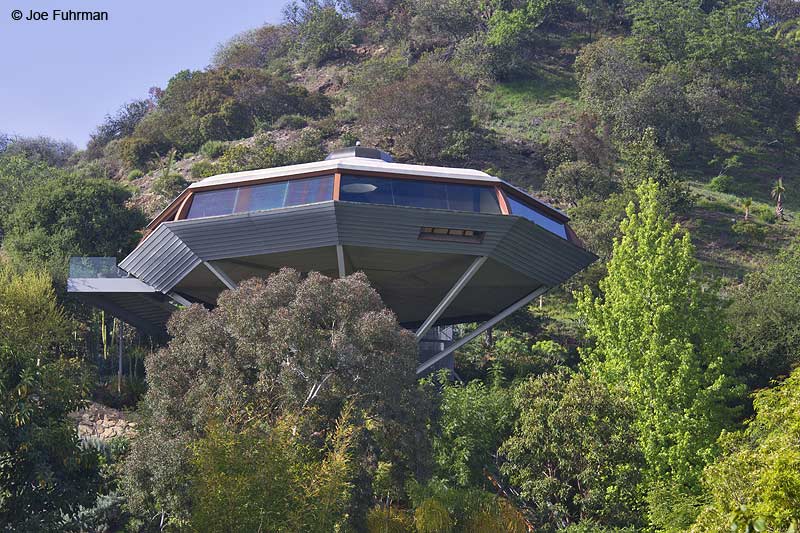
356	164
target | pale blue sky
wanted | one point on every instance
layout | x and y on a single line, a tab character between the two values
61	78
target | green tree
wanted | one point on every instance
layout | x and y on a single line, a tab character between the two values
272	478
319	30
758	474
657	339
419	113
644	160
474	421
44	473
18	174
764	318
67	217
574	453
272	348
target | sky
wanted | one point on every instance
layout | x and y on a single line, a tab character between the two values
60	79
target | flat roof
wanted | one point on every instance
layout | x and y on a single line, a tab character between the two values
362	164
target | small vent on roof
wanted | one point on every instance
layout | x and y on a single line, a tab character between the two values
360	151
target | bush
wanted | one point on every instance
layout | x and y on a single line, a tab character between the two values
721	183
213	149
419	113
169	185
135	174
291	122
388	520
748	232
319	32
203	169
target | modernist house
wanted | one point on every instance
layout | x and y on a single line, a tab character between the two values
441	245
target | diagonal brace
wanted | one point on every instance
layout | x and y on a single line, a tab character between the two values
451	295
483	327
221	275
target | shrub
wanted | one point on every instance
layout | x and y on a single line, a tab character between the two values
721	183
135	174
319	32
291	122
169	185
203	169
748	232
213	149
418	113
431	516
388	520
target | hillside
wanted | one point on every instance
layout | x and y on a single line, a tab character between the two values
655	391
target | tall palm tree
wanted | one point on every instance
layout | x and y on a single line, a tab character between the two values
747	203
777	194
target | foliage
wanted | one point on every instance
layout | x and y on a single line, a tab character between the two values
721	183
474	421
319	32
18	174
765	319
758	473
271	348
440	507
121	124
44	474
643	160
291	122
225	104
169	184
203	169
574	180
256	48
268	478
44	149
417	113
67	217
657	340
213	149
134	174
573	453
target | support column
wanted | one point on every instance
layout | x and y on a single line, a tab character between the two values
340	260
221	275
483	327
450	296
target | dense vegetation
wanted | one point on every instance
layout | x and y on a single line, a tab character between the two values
659	390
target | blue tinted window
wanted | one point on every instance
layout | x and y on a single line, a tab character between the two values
212	203
366	190
418	193
522	210
261	197
471	198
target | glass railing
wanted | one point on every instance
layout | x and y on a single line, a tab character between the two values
95	267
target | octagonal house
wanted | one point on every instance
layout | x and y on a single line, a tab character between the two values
441	245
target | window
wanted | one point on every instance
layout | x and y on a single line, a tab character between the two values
522	210
261	197
418	193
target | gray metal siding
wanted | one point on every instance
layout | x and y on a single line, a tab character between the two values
398	228
176	248
538	253
161	260
262	232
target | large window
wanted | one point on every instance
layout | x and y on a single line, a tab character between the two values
261	197
520	209
416	193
